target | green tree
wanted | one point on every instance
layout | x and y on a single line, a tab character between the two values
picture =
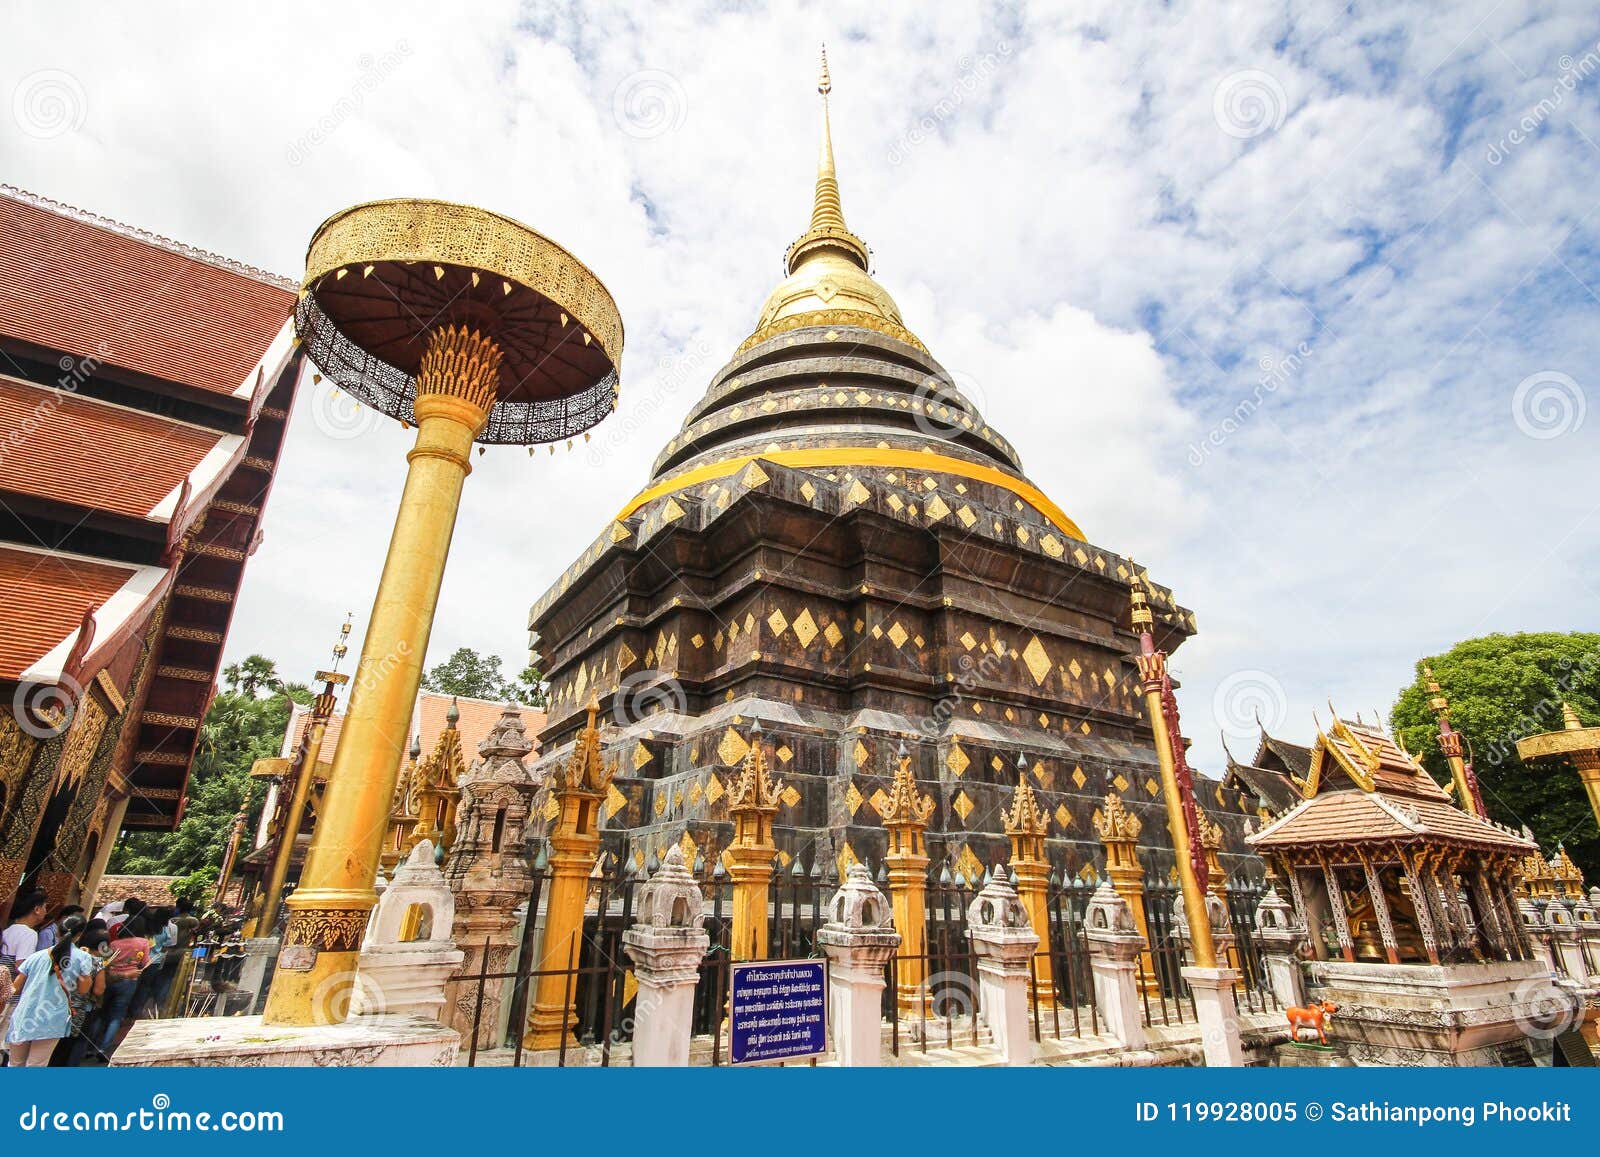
474	676
198	886
245	723
530	687
1502	688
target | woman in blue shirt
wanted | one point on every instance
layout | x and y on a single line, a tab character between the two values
44	984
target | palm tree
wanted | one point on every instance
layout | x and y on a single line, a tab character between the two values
255	673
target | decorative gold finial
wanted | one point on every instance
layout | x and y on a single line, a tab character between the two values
1024	817
341	648
907	807
824	82
1116	822
1569	718
586	769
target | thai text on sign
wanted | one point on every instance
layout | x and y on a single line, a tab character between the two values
779	1010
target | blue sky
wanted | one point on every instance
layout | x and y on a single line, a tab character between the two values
1294	303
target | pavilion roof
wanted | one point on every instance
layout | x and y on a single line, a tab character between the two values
1350	817
1362	787
157	308
1274	787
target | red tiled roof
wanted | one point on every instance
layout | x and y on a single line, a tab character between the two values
330	735
44	597
91	454
92	290
477	717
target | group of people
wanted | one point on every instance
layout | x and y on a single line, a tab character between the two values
70	983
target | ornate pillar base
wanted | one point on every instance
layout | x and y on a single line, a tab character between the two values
1217	1013
1115	947
667	966
1004	942
856	960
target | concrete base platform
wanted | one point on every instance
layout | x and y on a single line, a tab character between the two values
1442	1015
1312	1056
244	1042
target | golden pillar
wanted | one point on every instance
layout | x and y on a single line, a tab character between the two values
1466	788
752	802
303	776
231	856
574	843
1119	831
1217	879
905	819
1025	826
1153	673
1577	744
472	327
328	911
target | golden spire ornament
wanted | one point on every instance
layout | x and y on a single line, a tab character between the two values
827	234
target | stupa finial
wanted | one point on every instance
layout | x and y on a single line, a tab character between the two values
827	231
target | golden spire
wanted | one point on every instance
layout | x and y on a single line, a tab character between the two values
1569	718
828	230
1024	818
907	807
1116	822
754	790
586	770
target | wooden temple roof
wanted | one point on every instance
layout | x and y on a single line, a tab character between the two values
145	390
46	594
88	287
103	457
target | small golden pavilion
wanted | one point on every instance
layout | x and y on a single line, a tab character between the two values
1384	868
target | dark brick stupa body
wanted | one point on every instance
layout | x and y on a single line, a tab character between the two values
836	544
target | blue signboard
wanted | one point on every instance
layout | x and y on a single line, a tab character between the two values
779	1010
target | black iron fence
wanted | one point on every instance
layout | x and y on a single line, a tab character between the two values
596	978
